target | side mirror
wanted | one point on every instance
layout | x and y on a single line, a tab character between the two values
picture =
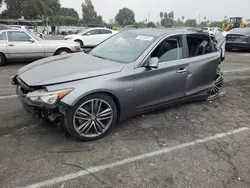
153	62
32	40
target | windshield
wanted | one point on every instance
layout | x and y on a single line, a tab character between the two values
124	47
82	31
34	36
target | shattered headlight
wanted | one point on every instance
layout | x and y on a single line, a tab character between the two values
48	97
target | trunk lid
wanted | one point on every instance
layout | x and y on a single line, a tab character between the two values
237	38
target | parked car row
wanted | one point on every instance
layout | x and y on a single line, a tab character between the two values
130	73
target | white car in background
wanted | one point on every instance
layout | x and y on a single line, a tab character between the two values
91	37
213	30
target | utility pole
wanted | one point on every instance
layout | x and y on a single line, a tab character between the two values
148	16
199	19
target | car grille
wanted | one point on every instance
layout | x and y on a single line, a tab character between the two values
24	87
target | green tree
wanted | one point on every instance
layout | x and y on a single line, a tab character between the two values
69	12
13	9
216	24
151	25
203	24
179	23
161	15
191	23
89	14
125	17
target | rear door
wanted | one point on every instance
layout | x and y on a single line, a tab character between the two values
167	82
203	63
20	47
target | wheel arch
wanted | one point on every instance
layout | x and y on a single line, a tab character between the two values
109	93
61	48
78	39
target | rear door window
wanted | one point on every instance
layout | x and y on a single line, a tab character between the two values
199	44
94	32
105	31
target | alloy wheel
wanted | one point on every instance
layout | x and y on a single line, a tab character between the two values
215	91
93	118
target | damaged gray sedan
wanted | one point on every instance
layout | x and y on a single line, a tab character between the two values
131	73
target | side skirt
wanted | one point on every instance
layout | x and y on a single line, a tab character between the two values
192	98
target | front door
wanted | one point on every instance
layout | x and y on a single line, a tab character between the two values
20	47
165	83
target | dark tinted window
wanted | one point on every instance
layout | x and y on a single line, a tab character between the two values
105	31
94	32
3	36
18	36
199	45
169	50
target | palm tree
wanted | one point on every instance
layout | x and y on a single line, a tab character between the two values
161	15
225	17
205	18
183	18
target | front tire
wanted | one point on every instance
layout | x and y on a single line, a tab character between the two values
80	43
92	117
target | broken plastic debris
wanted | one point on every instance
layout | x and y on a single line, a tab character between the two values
176	117
239	178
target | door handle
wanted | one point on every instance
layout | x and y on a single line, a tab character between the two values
11	44
182	70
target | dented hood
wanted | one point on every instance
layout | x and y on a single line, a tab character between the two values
66	68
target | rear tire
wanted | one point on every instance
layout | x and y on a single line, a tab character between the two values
2	59
63	51
80	43
92	117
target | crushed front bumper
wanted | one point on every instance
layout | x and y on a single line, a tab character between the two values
38	109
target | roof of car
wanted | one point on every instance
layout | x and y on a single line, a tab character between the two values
164	31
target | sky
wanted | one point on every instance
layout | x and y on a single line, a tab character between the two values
191	9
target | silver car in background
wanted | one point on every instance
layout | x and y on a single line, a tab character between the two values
130	73
18	45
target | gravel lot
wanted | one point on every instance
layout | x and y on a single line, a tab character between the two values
189	145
